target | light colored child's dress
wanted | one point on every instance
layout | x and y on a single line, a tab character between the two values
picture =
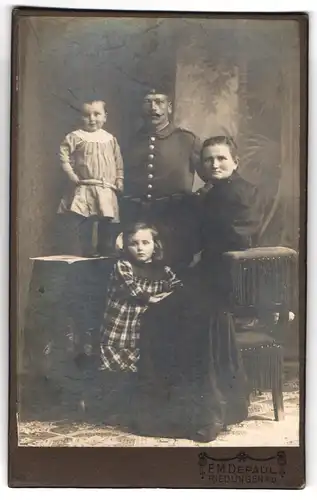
91	155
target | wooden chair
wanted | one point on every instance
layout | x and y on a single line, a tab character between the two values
263	283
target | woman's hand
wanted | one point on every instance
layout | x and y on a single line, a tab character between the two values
159	297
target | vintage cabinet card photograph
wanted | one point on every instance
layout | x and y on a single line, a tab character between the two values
158	249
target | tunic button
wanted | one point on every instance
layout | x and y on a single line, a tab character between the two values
150	166
150	186
152	139
151	146
149	196
150	176
151	157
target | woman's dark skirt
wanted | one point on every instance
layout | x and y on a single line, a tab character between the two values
190	381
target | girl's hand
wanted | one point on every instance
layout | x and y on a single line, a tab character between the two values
159	297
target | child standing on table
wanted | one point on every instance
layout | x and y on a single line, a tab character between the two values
91	158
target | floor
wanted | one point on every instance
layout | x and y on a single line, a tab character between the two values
49	427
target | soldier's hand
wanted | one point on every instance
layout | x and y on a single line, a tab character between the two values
196	260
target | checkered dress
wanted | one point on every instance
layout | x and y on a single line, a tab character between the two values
130	289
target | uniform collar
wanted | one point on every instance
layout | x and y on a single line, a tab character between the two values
165	132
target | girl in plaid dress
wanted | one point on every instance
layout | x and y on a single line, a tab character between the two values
139	279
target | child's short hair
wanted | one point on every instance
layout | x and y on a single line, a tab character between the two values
222	139
91	101
139	226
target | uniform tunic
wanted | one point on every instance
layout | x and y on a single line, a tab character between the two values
162	163
91	155
130	288
159	174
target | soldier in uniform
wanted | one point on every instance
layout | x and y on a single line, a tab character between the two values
159	172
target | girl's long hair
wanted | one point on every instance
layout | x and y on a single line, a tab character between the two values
158	253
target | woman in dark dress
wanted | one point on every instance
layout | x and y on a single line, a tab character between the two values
190	373
229	222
